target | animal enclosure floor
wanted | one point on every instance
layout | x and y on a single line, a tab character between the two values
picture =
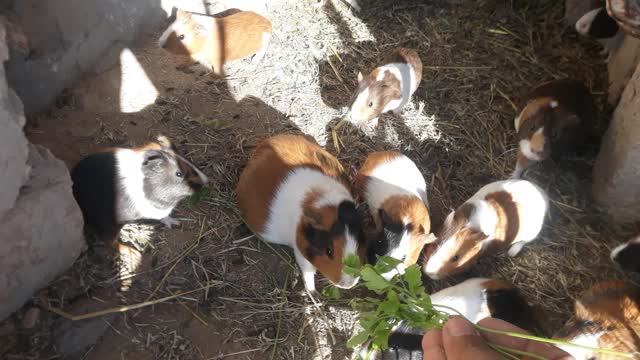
478	57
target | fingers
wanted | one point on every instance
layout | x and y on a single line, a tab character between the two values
462	341
535	347
432	346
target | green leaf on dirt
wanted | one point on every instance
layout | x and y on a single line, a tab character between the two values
374	281
357	339
413	278
331	292
203	193
368	321
386	264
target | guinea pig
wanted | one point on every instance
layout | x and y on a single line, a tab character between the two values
292	192
119	186
503	214
387	88
396	193
214	41
597	24
627	255
556	117
607	316
476	299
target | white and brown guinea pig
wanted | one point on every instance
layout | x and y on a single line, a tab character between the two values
597	24
387	88
606	316
120	185
396	193
292	192
214	41
476	299
556	117
627	255
503	214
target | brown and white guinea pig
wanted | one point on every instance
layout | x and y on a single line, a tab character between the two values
387	88
476	299
214	41
598	25
119	186
292	192
503	214
627	255
396	193
606	316
556	117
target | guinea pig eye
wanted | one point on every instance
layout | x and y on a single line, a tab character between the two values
455	258
181	37
179	174
370	104
329	252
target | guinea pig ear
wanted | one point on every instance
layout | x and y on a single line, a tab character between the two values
360	77
347	212
165	142
311	217
153	157
182	15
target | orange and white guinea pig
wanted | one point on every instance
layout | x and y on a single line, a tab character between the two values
476	299
387	88
213	41
554	118
606	316
396	193
503	214
293	192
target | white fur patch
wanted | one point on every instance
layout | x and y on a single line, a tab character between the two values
585	339
484	218
399	176
361	101
584	23
553	104
466	297
129	169
525	147
440	257
617	250
517	122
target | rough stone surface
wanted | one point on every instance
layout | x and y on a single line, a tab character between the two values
616	175
574	9
621	67
13	144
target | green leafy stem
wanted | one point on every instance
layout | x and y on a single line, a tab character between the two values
403	299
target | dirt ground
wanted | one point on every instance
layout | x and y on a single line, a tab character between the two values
479	57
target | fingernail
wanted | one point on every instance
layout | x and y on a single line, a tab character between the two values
460	327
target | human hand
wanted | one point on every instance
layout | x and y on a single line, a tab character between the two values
460	340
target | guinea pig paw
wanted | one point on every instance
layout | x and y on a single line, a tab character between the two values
169	222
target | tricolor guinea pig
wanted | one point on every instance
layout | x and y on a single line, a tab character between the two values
476	299
606	316
556	117
396	193
387	88
119	186
293	192
627	255
214	41
504	214
597	24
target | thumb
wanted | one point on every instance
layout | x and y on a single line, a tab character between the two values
462	341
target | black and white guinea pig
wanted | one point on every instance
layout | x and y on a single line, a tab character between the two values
627	255
607	316
475	299
396	194
598	25
387	88
555	118
121	185
292	192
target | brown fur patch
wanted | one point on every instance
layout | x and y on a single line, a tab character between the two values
271	161
508	213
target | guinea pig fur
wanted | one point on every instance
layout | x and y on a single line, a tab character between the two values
627	255
395	190
597	24
387	88
503	214
214	41
606	316
556	117
293	192
119	185
476	299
